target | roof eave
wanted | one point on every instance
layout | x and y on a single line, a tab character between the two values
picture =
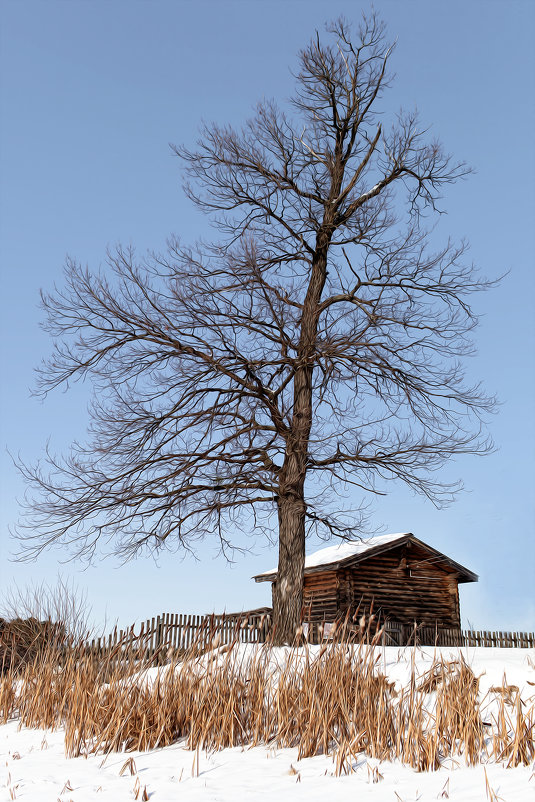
465	575
265	577
382	547
333	566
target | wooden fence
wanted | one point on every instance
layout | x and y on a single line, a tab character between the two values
175	633
171	633
507	640
401	635
396	634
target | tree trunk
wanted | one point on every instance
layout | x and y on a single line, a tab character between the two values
288	587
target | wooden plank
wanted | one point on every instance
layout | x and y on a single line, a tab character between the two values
178	635
189	632
172	631
178	632
185	632
195	632
165	633
158	633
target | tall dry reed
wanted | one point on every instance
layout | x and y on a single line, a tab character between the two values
328	700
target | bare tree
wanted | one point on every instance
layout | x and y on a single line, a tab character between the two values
315	347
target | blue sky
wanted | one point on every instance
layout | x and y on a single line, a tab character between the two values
92	93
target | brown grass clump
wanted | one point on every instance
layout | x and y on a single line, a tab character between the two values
328	701
22	640
458	727
513	732
7	699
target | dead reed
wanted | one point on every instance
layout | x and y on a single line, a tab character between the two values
328	700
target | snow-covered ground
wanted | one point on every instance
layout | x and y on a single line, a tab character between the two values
33	765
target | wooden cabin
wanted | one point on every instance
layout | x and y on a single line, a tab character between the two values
401	577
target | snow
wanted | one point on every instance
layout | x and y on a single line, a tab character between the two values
41	773
344	550
488	664
33	765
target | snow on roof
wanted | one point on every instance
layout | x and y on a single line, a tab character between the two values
344	550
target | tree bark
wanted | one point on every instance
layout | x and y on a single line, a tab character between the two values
288	587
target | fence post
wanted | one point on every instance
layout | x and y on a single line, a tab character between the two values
159	638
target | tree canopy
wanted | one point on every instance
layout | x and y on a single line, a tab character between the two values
314	346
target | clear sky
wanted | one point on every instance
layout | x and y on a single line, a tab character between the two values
92	93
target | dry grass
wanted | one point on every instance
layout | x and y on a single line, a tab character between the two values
328	701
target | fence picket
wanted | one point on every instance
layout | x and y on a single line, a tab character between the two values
179	632
187	632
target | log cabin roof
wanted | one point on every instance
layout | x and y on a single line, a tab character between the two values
351	552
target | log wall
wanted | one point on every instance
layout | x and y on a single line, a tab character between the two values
321	597
403	584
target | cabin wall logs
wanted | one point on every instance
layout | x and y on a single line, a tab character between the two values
405	584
